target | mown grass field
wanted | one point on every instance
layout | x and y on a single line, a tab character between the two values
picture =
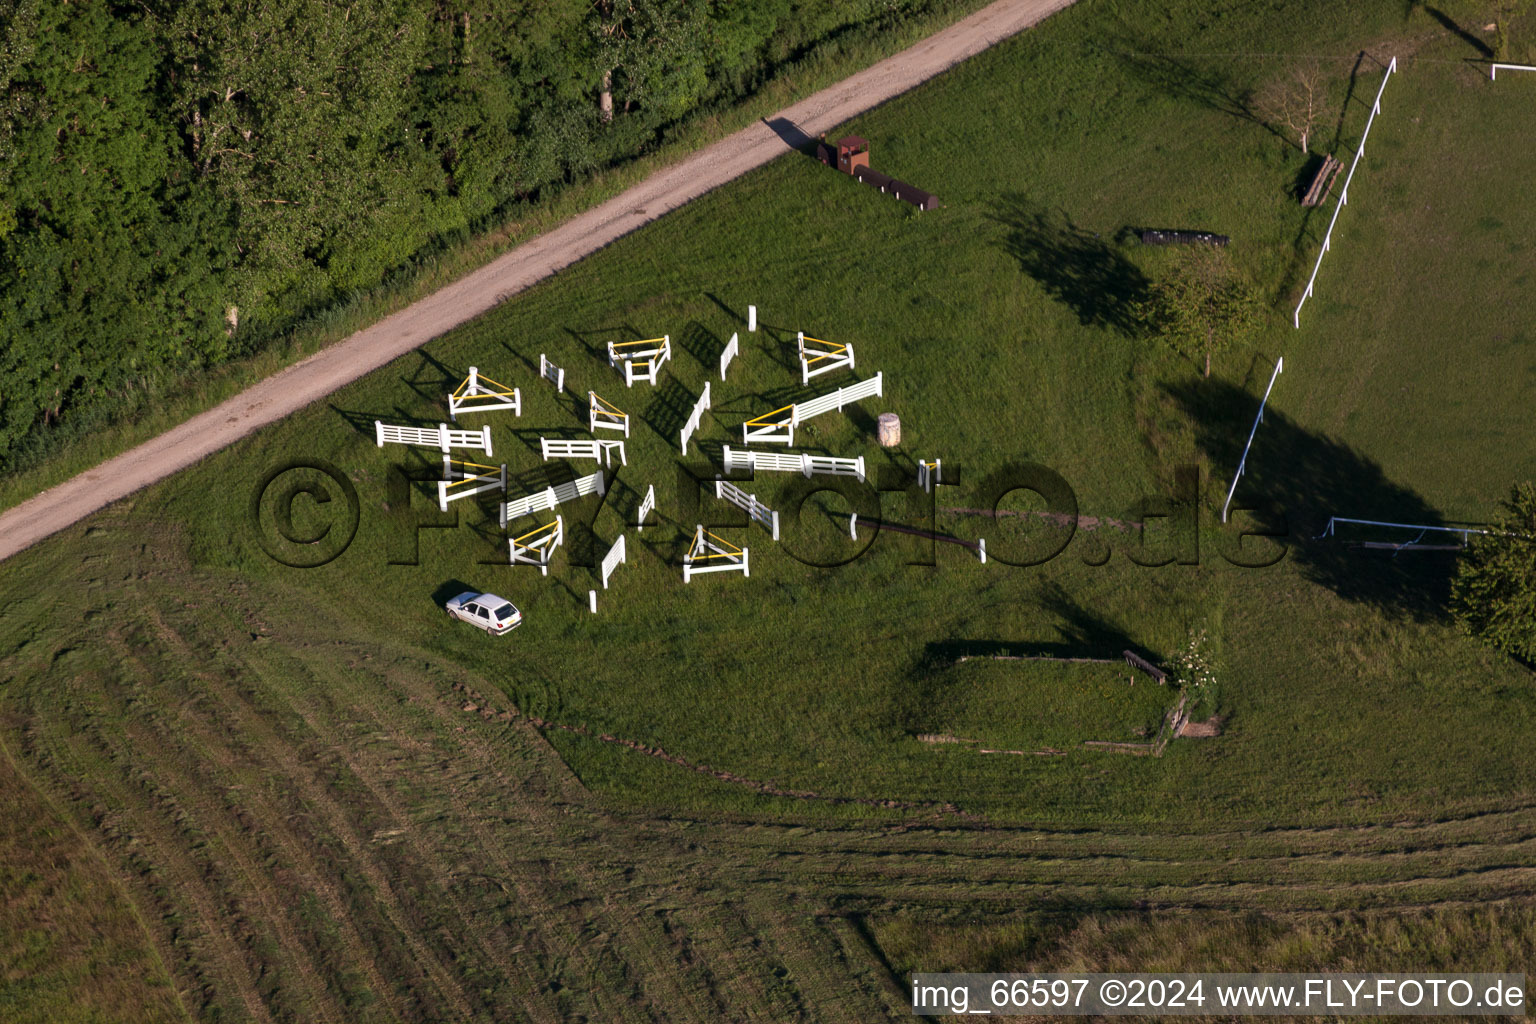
326	799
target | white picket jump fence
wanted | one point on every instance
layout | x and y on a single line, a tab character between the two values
732	348
930	473
461	483
842	396
825	360
537	547
474	396
694	418
613	559
709	553
1344	195
825	465
638	363
755	510
550	372
440	437
647	505
603	414
602	451
1493	69
549	497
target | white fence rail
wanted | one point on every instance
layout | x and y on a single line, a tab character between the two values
822	357
640	360
537	547
549	497
732	347
709	553
601	451
481	394
694	417
806	464
1344	195
874	386
460	482
441	437
615	557
755	510
1493	70
550	372
647	505
1242	464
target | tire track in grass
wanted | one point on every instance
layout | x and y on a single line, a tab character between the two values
223	965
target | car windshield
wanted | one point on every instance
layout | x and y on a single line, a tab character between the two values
506	611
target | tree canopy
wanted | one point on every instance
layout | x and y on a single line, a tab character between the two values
1203	305
1494	593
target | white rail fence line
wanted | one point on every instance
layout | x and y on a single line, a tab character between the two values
474	396
806	464
1242	464
440	437
637	362
779	425
1493	70
550	372
601	451
537	547
549	497
833	357
461	483
694	418
759	513
615	557
647	505
1463	530
709	553
929	473
1344	195
605	415
732	348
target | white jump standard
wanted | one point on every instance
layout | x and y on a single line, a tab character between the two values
709	553
481	394
537	547
552	373
460	480
439	437
694	417
615	557
822	357
603	414
930	473
748	503
647	506
602	451
640	360
732	349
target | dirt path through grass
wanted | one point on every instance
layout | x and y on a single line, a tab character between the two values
463	300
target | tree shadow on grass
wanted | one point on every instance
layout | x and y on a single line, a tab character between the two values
1206	84
1296	479
1073	266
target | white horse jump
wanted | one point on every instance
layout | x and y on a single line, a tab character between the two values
550	372
826	358
759	513
474	396
709	553
537	547
439	437
694	418
930	473
602	451
825	465
779	426
602	414
460	481
613	559
549	497
647	505
732	348
640	360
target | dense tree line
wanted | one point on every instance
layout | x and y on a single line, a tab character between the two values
182	181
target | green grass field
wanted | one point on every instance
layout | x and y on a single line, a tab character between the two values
298	773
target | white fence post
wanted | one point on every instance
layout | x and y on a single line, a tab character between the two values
751	319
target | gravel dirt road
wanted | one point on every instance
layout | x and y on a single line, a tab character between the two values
322	373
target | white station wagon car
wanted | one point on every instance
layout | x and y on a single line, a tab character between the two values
495	615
